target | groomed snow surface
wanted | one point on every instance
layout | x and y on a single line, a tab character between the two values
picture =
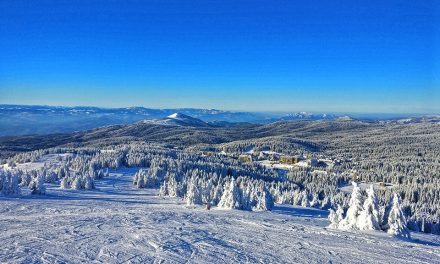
117	223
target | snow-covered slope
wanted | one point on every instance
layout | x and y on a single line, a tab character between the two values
179	119
184	120
119	224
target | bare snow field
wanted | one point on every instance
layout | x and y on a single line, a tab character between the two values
117	223
48	159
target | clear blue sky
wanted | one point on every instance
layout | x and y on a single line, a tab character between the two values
345	56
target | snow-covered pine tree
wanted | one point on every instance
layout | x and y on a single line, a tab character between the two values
396	220
138	179
64	184
206	192
369	218
336	217
163	190
249	196
333	218
193	194
297	198
76	184
264	200
315	202
141	182
9	184
340	214
26	179
305	199
231	196
216	193
37	185
326	203
354	210
173	187
89	183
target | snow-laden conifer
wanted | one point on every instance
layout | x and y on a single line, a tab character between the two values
231	196
37	185
193	194
369	218
396	220
354	210
65	184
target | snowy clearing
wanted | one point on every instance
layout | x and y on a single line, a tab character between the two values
117	223
48	160
282	166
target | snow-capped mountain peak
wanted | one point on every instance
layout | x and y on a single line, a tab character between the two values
179	116
184	120
179	119
175	115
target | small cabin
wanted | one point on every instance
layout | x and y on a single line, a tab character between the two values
245	158
288	159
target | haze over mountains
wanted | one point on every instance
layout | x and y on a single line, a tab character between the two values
25	120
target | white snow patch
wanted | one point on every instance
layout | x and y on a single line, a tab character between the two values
175	115
117	223
49	159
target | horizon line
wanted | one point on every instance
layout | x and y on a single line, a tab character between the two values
227	110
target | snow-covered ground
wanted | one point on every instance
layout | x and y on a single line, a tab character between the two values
283	166
49	159
119	224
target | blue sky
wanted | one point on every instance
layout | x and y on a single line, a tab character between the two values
338	56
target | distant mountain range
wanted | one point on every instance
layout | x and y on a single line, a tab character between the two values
308	116
26	119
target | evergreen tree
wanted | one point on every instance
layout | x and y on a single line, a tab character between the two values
354	210
231	196
193	195
37	185
264	200
9	184
396	220
76	184
89	183
64	184
336	217
369	218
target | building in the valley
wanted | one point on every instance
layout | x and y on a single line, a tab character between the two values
245	158
289	159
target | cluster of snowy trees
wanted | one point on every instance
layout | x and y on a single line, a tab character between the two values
9	183
77	183
365	214
76	171
286	145
37	185
227	193
411	165
148	178
406	157
200	183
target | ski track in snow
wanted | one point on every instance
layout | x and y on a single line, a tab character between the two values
117	223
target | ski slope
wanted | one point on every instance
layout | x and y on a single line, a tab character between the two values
119	224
